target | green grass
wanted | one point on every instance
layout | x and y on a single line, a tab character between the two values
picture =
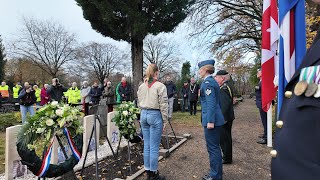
2	151
186	119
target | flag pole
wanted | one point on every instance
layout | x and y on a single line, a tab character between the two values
269	126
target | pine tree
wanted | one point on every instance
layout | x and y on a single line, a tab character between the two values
2	60
185	74
132	20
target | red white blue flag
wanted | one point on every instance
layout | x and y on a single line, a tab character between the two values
292	41
270	37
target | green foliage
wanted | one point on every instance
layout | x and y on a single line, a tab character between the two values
253	74
48	122
122	19
185	74
185	71
7	120
2	60
126	114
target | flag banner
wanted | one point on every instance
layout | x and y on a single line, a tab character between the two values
292	46
270	37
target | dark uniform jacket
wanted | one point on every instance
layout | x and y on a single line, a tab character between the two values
226	102
210	102
193	92
297	142
258	95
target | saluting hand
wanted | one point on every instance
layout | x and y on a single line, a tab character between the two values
210	125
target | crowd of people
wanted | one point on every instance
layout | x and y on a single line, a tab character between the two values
32	97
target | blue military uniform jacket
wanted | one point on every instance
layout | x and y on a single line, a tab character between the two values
297	141
210	102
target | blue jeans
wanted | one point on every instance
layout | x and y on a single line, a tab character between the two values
151	124
24	109
212	137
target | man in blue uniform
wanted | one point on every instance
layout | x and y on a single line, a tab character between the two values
296	153
211	118
263	114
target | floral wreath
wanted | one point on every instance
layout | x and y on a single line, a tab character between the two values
126	114
37	136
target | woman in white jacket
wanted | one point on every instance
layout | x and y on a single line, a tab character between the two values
153	101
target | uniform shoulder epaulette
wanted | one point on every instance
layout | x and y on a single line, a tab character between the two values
207	82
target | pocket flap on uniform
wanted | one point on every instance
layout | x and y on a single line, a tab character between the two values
307	102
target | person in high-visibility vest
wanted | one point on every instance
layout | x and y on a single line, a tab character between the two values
16	89
73	94
4	90
37	91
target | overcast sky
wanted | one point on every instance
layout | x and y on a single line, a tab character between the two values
70	15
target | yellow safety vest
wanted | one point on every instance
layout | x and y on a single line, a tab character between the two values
16	91
38	91
73	95
4	90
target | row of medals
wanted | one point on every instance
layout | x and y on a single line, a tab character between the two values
309	89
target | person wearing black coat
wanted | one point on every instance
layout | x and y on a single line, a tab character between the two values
184	95
193	94
95	93
171	91
56	90
27	99
296	142
263	114
226	99
124	90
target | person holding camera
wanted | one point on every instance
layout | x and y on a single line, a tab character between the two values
56	90
26	98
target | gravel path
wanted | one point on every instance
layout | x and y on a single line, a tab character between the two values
251	161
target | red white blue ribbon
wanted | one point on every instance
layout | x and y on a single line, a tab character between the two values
45	162
74	149
47	157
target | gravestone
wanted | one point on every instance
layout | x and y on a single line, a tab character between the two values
13	166
88	125
113	131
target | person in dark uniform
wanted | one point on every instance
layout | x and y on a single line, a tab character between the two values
263	114
296	153
193	96
226	99
211	118
184	95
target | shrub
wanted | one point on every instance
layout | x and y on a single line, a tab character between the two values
7	120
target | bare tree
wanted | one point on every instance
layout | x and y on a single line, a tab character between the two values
161	52
103	59
47	44
228	23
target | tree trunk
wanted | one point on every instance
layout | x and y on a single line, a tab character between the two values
137	63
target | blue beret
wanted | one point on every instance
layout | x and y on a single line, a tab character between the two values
206	62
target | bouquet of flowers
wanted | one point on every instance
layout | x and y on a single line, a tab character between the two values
126	114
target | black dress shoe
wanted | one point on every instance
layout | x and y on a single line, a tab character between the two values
226	162
260	136
262	141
